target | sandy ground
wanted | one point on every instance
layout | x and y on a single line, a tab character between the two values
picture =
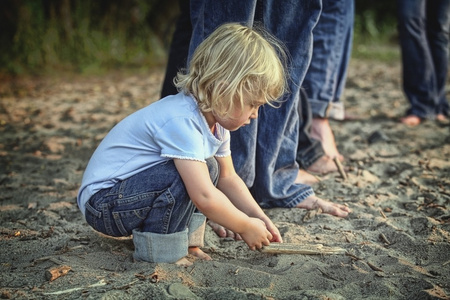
396	241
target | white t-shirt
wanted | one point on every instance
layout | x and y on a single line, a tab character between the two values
172	127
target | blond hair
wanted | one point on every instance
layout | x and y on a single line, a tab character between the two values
233	63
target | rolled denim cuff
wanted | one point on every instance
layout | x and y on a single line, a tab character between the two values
325	109
197	230
336	111
159	248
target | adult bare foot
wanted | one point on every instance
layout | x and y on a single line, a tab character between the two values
304	177
321	130
411	120
223	232
322	166
313	202
442	118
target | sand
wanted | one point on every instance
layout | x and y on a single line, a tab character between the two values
396	241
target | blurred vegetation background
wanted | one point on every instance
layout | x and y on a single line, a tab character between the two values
93	36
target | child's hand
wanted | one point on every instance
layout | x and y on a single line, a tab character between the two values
276	236
255	234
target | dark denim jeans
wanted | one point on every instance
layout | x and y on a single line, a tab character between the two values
423	27
265	152
154	200
179	49
326	76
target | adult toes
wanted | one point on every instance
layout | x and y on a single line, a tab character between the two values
218	229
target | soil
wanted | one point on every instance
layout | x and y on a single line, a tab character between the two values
396	240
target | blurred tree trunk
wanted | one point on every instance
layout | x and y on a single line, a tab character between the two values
66	19
162	18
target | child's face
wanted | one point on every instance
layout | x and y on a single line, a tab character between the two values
240	117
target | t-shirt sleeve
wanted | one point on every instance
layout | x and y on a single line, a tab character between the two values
181	138
224	149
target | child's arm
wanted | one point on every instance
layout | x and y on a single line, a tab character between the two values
217	207
235	189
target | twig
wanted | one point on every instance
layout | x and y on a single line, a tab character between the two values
102	282
353	256
340	168
373	267
128	285
383	237
50	258
287	248
382	213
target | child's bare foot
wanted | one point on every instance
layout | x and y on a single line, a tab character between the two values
411	120
442	118
304	177
327	207
184	262
223	232
322	166
321	130
197	252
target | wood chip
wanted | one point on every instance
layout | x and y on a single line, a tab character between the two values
56	272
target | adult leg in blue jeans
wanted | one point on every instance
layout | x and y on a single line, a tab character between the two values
314	161
179	49
326	76
310	151
265	151
154	206
423	27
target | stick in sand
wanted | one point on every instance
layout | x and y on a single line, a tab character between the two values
288	248
340	168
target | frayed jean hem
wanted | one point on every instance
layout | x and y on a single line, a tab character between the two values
293	202
325	109
310	155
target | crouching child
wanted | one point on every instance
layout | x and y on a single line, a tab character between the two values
161	171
